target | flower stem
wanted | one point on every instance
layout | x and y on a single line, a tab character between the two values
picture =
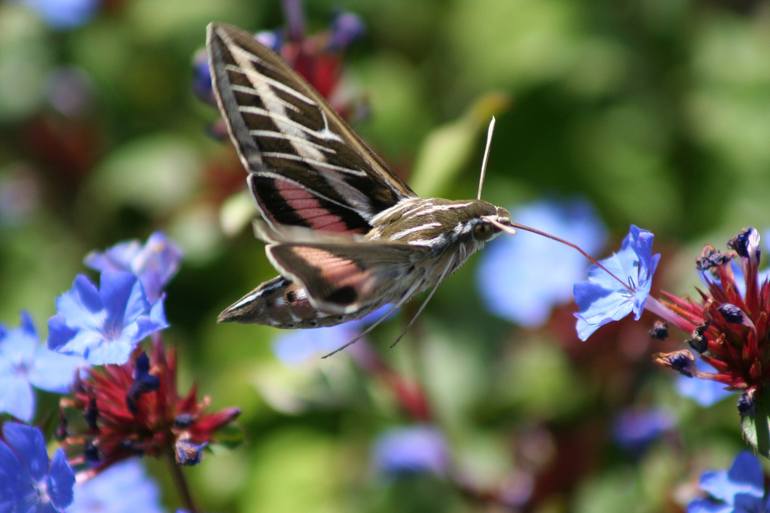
181	482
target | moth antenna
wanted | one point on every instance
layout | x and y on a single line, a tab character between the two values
490	131
511	230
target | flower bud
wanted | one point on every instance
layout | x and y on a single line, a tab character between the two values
681	361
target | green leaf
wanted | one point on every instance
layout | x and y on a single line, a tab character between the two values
755	427
447	150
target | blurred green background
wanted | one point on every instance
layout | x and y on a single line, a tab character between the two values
658	112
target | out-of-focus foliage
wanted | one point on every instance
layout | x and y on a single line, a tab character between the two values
656	112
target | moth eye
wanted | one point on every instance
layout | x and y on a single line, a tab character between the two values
482	230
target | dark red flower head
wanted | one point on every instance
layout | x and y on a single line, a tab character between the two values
728	325
135	409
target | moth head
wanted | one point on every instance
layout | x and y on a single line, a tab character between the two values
489	223
493	224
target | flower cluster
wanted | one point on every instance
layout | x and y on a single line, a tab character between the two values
135	409
104	325
119	401
726	327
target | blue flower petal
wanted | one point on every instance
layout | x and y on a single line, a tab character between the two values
107	491
82	302
526	296
346	28
27	325
116	258
705	392
299	346
53	371
744	477
154	264
17	397
29	446
10	482
17	346
60	481
123	298
602	298
417	449
109	337
634	430
64	14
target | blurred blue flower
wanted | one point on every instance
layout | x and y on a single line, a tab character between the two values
24	363
738	490
201	81
29	481
634	430
705	392
603	299
154	264
103	326
296	347
346	28
411	450
272	39
526	296
121	488
64	14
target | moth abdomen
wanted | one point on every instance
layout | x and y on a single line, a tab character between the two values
280	303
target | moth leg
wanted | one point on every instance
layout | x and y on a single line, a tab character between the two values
427	300
379	321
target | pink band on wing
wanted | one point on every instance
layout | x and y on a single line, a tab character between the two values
309	208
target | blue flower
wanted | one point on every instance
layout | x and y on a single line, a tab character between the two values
121	488
64	14
705	392
272	39
201	81
738	490
346	28
29	481
527	297
296	347
105	325
411	450
603	299
154	264
634	430
24	363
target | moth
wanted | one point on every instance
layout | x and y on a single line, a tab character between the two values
345	233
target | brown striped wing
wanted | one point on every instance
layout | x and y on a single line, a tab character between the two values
306	166
347	278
